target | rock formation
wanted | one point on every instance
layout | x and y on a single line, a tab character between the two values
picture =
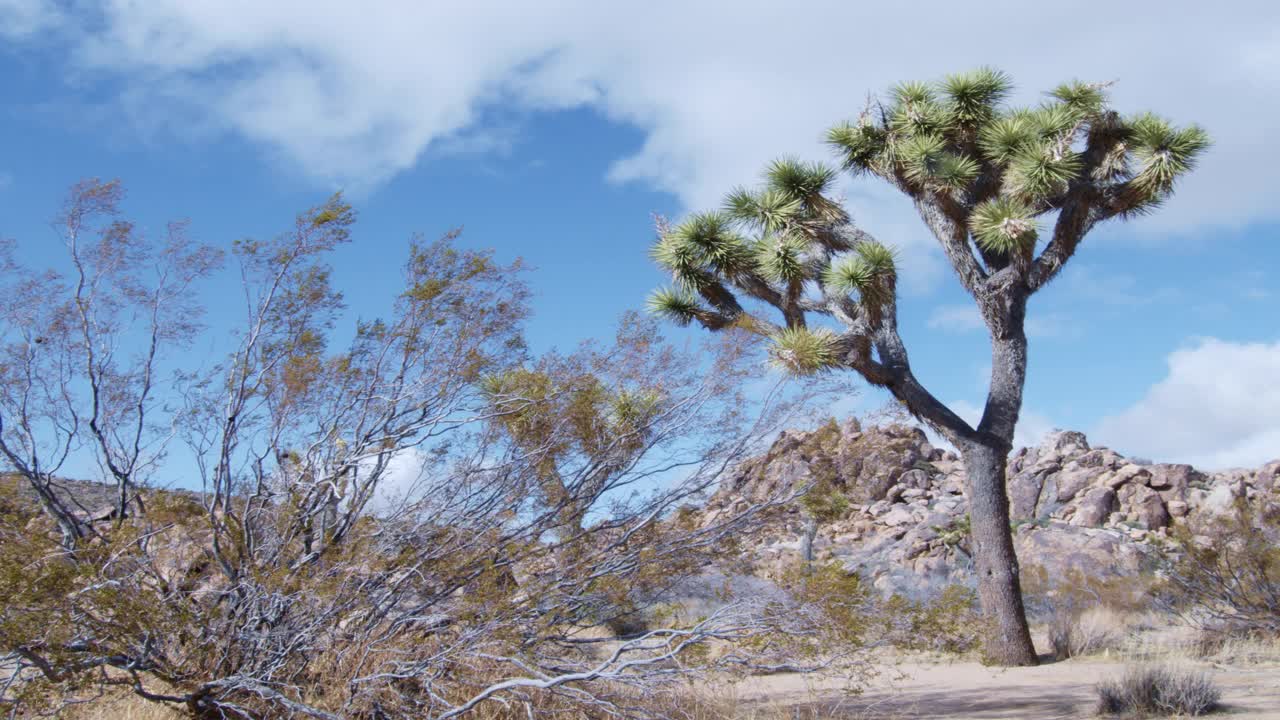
1074	507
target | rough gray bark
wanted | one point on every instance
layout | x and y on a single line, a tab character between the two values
985	457
1008	640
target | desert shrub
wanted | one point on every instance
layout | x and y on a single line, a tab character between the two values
839	595
1085	614
1156	690
1047	595
1228	582
955	534
948	622
308	580
1088	632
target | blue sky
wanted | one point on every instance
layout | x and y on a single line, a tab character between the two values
554	130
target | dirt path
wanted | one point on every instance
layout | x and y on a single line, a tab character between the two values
970	691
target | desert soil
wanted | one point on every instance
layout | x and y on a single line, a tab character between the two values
968	690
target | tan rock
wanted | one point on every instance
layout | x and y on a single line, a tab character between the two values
1095	507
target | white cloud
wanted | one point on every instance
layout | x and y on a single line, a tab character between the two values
1219	406
955	319
22	18
404	481
961	319
1055	326
354	93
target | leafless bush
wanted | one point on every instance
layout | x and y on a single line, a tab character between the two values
1087	632
1155	690
424	522
1227	582
1085	614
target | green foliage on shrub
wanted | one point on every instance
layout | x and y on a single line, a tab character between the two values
948	622
1228	582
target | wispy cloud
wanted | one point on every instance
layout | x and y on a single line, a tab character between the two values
24	18
1097	284
1218	406
960	319
355	93
955	319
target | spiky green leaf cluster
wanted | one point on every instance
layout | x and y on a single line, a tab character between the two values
870	272
1084	99
1163	152
860	145
770	210
974	97
1004	225
926	161
802	351
807	184
702	246
782	258
1007	137
798	179
1041	173
674	304
916	110
1055	121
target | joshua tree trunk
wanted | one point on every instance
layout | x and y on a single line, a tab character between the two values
1008	640
985	453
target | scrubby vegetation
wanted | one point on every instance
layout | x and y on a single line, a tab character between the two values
423	521
1145	691
1226	581
416	516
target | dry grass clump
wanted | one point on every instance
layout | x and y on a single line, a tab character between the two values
1090	632
1146	690
1229	648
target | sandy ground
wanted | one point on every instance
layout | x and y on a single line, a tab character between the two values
970	690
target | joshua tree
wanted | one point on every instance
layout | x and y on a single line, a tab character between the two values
986	179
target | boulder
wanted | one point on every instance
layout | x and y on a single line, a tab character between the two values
1267	478
1064	442
1144	506
1127	474
916	478
1095	507
897	516
1064	549
1072	480
1173	481
1024	495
